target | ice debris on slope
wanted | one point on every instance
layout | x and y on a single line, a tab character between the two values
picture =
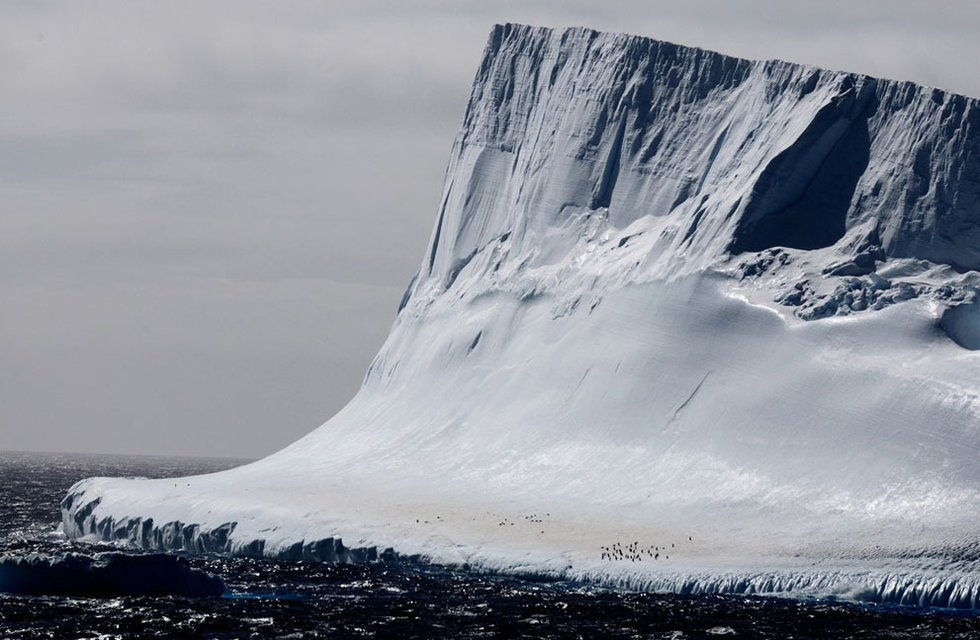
608	326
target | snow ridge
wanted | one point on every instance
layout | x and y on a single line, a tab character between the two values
670	296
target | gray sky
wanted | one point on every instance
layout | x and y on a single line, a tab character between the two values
209	210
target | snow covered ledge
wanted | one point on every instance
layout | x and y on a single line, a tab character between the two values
684	566
946	578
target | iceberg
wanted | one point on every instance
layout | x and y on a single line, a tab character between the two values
685	323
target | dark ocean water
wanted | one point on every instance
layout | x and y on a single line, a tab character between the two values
270	599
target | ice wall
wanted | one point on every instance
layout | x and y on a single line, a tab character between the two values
728	155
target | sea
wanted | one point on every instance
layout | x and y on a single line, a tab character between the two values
275	599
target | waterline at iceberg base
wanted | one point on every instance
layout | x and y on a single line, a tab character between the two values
686	323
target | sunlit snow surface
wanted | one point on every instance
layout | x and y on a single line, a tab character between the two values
269	598
686	323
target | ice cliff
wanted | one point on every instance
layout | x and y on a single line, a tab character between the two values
685	322
572	133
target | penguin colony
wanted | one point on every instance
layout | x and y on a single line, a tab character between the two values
635	553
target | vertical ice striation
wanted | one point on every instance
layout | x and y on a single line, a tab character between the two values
670	295
728	155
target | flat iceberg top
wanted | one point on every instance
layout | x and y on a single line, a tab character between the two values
520	31
686	322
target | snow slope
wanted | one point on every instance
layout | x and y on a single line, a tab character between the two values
686	322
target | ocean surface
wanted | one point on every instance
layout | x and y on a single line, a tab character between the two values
271	599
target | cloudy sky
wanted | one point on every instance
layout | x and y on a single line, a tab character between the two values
209	210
